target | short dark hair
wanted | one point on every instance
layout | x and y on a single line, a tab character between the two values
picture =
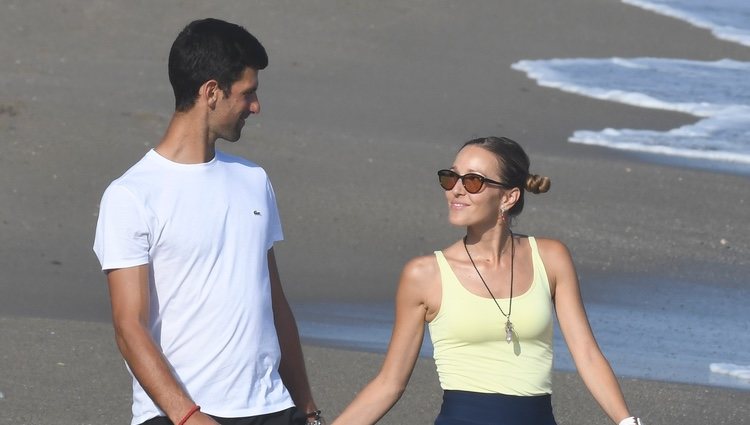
514	167
211	49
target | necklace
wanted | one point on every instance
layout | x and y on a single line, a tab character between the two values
508	323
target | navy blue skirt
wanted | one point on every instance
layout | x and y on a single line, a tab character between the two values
470	408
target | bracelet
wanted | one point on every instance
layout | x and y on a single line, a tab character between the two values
631	420
189	414
315	416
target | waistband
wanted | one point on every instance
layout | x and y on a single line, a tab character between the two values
471	408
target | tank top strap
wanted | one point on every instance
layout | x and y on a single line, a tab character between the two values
440	259
540	272
448	279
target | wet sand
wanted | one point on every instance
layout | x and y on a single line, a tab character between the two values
361	103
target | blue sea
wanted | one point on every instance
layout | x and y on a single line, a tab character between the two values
666	337
717	93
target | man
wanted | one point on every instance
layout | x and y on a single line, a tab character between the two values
186	239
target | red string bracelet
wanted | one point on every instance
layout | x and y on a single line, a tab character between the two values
189	414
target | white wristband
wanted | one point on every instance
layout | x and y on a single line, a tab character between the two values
632	420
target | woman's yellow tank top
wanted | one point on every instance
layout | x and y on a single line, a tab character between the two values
468	335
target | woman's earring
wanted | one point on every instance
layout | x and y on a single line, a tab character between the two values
502	214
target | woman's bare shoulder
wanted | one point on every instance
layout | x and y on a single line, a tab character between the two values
557	260
551	247
421	269
425	268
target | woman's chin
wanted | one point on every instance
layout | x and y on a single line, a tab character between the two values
458	220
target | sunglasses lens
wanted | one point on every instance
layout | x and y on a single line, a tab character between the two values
447	179
472	183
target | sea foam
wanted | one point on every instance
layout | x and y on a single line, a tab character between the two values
727	19
737	371
718	92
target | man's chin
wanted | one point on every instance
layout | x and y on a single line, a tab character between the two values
232	137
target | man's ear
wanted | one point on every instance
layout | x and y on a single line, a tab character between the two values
209	93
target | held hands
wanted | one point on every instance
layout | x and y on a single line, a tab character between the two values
314	418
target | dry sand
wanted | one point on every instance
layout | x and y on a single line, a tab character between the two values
361	103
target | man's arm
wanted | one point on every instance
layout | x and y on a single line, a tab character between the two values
129	294
292	367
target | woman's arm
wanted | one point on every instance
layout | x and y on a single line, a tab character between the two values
377	397
590	362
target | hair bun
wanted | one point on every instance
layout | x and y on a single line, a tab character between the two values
537	184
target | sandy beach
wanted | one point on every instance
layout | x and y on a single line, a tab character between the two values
361	103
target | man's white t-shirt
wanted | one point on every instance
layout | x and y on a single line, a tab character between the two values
205	231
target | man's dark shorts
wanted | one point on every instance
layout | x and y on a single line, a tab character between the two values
289	416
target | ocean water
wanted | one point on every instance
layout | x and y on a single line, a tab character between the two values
727	19
716	93
666	336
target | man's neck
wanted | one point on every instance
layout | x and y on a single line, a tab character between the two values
187	140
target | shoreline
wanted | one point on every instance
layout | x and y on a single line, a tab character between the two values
665	333
82	359
703	165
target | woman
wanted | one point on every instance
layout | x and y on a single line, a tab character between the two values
488	299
